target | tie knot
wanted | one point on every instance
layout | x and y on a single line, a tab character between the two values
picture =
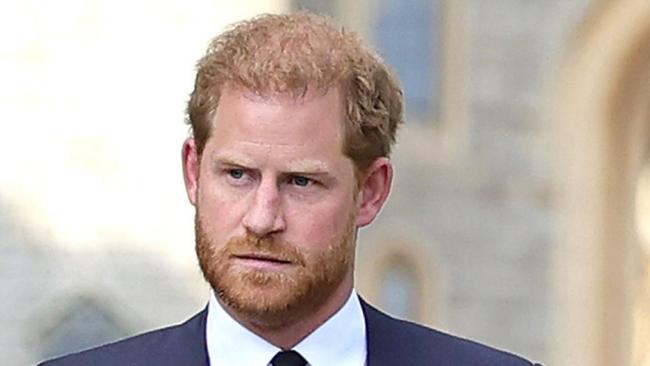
288	358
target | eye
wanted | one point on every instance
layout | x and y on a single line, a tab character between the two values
236	173
301	181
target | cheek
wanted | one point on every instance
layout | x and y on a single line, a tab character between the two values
220	212
319	225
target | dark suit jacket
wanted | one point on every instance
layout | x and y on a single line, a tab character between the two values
390	342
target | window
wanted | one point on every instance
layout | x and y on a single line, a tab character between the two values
85	324
407	34
316	6
399	290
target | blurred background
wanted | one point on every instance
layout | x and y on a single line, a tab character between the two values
520	215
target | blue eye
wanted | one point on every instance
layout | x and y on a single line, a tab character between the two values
301	181
236	173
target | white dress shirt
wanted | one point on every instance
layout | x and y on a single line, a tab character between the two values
341	340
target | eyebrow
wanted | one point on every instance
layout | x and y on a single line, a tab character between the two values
299	166
233	159
308	166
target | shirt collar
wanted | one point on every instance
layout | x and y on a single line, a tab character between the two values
341	340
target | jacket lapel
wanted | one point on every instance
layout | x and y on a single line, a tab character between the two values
191	343
382	340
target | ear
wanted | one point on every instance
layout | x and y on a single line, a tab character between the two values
374	189
191	165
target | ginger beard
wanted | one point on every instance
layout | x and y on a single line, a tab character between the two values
270	298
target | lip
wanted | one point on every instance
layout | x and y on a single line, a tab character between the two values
261	260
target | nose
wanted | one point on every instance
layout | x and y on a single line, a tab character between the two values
264	215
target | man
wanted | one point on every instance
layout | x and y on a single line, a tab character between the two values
293	122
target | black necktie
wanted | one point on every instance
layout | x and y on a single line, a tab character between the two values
288	358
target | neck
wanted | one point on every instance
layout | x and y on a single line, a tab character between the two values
289	335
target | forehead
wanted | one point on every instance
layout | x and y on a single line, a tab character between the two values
304	127
314	113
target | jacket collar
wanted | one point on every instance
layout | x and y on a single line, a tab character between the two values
380	338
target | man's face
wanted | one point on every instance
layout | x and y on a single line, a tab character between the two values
275	205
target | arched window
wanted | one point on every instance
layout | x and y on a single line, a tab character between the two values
316	6
83	325
399	291
407	34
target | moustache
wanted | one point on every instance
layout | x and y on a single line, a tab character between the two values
269	248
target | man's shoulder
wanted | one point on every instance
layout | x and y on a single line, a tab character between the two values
444	346
391	338
179	344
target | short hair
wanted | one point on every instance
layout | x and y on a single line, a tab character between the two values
291	53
